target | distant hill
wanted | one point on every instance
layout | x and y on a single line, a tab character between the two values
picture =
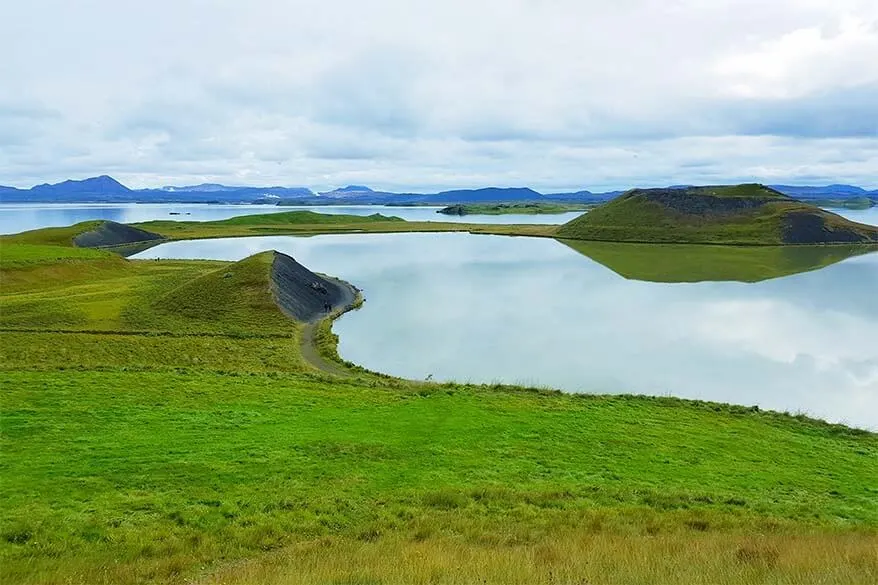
489	194
583	196
847	196
821	191
355	189
102	186
203	188
741	214
105	189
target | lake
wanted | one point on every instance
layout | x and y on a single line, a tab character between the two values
536	312
19	217
867	216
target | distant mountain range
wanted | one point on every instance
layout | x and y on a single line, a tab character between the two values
105	189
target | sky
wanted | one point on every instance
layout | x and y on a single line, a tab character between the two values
415	95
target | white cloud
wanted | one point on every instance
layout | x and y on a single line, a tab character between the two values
567	94
782	332
807	60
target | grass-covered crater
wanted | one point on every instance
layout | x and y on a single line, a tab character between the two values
738	215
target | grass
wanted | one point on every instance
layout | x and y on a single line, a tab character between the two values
159	425
120	476
310	223
697	263
54	236
24	254
570	558
301	223
47	246
146	314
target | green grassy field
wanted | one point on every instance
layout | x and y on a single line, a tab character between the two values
121	476
309	223
302	223
160	425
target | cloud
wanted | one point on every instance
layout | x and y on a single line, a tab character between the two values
841	53
558	95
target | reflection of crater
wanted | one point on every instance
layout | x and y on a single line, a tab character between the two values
698	263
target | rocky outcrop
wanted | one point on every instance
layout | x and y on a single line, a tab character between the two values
110	233
695	203
812	228
304	295
453	210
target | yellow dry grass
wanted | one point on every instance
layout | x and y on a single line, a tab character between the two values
575	558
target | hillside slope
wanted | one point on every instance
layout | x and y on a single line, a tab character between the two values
742	214
109	234
304	295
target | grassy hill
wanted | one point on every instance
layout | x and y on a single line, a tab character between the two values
741	214
160	425
82	240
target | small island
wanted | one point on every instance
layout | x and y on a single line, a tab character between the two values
750	215
534	208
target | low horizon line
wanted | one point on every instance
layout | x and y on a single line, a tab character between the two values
425	191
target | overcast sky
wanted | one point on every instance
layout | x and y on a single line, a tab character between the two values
422	95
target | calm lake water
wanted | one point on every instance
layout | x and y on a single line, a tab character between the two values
15	217
535	312
19	217
868	216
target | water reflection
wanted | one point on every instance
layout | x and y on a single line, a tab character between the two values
698	263
867	216
534	311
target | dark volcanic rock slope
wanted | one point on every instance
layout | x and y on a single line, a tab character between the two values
110	233
304	295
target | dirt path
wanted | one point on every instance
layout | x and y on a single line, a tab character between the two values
310	298
311	355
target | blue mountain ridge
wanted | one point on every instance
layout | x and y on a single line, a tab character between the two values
105	189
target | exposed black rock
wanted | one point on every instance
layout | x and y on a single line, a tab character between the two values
453	210
692	203
110	233
810	228
304	295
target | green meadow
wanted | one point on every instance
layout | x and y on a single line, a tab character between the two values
310	223
162	423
